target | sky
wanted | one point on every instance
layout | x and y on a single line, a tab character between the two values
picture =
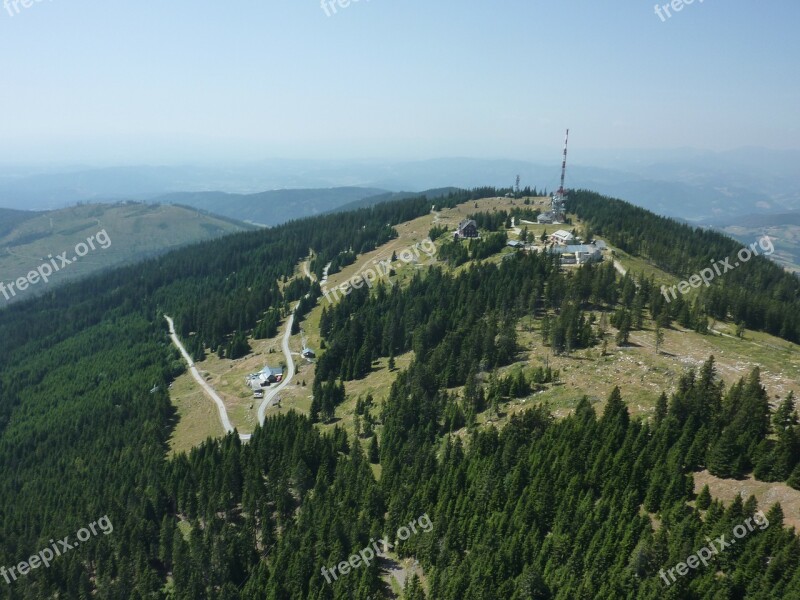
181	81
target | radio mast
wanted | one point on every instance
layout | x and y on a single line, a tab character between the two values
559	198
564	165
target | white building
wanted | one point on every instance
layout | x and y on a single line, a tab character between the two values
580	254
562	238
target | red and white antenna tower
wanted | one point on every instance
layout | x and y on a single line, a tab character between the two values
564	165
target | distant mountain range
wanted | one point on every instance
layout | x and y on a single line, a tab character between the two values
763	220
273	207
392	196
695	186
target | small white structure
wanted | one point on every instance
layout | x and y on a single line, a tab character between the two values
270	374
262	379
562	238
580	254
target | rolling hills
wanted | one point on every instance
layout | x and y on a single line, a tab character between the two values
135	231
11	218
272	207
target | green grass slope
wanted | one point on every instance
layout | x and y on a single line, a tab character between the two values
134	231
11	218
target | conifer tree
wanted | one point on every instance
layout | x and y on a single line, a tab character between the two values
724	456
704	498
374	451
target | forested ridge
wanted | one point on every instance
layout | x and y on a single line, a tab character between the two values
759	294
82	434
591	506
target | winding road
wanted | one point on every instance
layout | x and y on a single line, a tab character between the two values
223	414
312	277
268	397
262	410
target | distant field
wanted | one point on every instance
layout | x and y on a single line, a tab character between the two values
785	239
135	231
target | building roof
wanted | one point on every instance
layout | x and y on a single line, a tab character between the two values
466	222
514	243
575	249
271	371
561	234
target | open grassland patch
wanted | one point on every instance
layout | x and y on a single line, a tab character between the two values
766	493
197	417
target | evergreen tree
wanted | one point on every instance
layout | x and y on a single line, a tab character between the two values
623	324
374	451
661	409
413	589
785	416
704	498
724	457
658	337
794	478
238	347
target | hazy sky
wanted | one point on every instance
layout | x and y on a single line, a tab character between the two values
183	80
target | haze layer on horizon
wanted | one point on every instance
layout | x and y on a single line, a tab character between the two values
181	82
